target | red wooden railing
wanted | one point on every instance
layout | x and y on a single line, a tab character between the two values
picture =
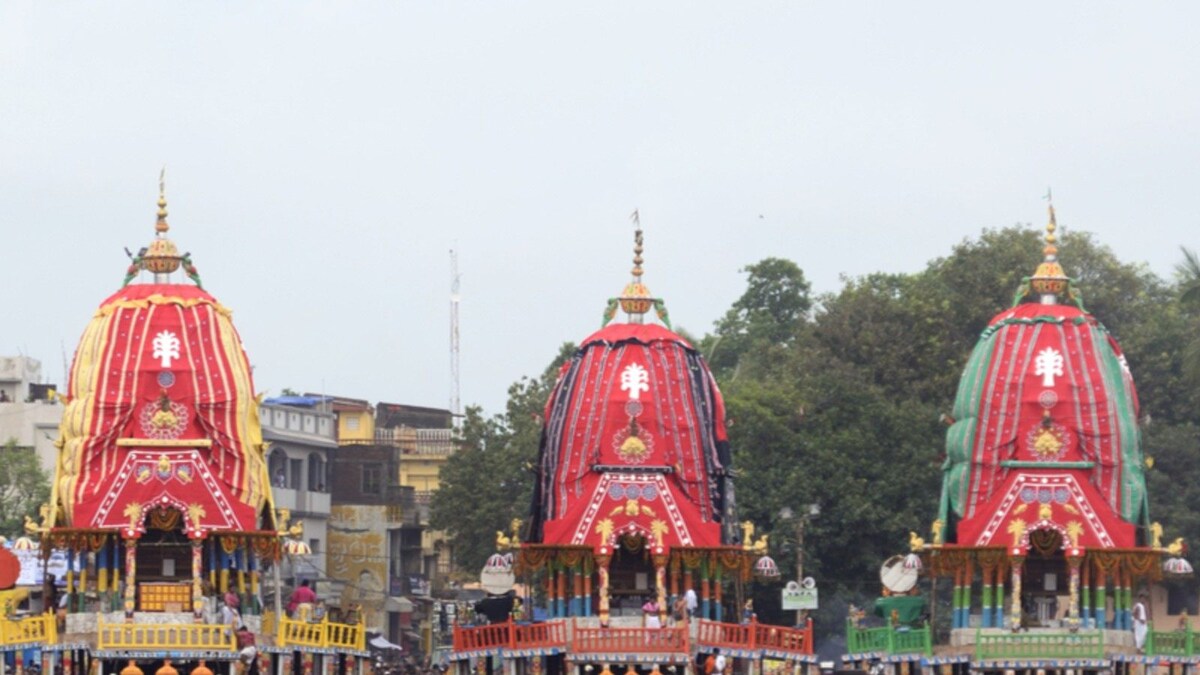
536	635
753	635
630	640
509	635
490	636
756	635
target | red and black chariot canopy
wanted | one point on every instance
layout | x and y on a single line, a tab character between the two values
634	442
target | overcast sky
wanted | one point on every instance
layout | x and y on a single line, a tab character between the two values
323	158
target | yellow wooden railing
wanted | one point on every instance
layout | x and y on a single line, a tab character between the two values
41	628
163	636
323	634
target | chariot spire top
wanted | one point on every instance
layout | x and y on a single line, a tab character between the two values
161	256
635	297
1049	280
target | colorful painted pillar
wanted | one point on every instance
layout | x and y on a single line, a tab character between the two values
1101	603
587	587
577	591
70	589
1118	595
197	581
130	577
956	599
674	574
1085	593
114	595
988	570
84	563
660	586
998	620
1074	560
704	590
602	569
969	583
560	593
718	608
102	569
1016	557
1127	599
687	580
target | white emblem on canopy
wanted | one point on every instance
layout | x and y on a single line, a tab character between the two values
1048	364
635	379
166	348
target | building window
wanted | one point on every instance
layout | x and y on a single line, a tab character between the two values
352	423
316	473
372	479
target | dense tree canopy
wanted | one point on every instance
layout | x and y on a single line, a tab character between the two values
835	401
23	488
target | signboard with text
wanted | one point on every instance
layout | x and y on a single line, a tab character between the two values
800	596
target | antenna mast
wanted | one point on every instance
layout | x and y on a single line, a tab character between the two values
455	401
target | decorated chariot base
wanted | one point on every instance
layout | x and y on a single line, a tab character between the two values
161	513
1043	534
632	520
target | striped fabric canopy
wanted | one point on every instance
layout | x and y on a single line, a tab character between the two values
160	415
634	443
1044	432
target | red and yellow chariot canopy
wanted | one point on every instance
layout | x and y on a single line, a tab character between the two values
161	413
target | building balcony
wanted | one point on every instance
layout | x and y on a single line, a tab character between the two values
425	442
301	501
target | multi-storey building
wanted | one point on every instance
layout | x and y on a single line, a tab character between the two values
386	466
29	409
300	434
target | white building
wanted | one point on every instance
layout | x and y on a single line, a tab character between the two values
29	411
300	432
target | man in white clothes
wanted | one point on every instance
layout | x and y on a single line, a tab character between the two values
1140	621
692	604
719	666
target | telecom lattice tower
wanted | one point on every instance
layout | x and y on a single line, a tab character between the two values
455	401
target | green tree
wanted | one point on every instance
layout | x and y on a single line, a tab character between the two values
771	311
843	410
488	481
23	487
1188	275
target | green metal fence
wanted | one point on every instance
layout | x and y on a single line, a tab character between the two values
888	640
1172	643
1081	645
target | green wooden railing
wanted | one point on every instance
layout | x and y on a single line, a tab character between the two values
1172	643
888	640
1081	645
